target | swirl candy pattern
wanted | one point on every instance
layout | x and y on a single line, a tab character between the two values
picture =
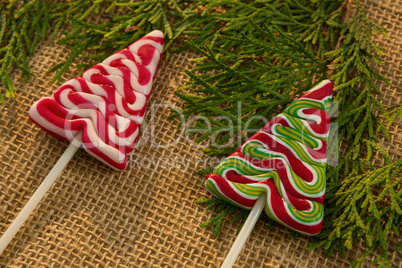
286	160
104	107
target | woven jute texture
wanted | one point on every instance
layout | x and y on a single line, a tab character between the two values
145	216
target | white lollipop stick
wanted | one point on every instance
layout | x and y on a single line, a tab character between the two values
37	196
244	232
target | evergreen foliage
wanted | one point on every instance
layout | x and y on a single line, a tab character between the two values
113	33
255	57
365	204
21	28
246	87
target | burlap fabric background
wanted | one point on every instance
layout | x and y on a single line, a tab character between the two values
145	216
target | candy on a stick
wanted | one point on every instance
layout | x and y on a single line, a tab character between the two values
104	107
101	110
280	168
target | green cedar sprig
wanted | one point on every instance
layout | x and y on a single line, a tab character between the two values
76	12
21	28
114	33
24	23
394	113
235	91
355	79
306	20
364	205
201	19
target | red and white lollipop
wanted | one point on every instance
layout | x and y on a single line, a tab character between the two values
101	110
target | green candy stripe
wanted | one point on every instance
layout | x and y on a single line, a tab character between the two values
297	125
246	168
256	190
294	134
213	189
256	149
295	106
305	216
301	184
241	166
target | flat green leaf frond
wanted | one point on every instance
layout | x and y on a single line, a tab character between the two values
393	114
359	207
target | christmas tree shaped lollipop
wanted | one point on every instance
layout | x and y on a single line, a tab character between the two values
280	168
101	110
